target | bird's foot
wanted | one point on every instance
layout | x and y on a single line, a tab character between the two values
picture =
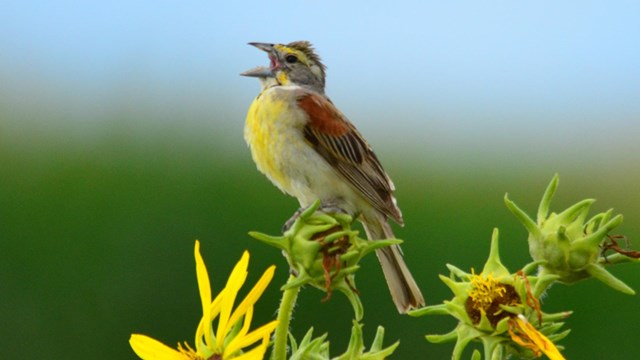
325	208
332	209
289	223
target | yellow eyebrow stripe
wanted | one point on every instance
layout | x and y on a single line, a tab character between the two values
302	57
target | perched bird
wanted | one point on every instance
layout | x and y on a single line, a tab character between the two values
309	150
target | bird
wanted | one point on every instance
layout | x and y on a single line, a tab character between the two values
309	149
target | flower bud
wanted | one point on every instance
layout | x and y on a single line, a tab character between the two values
324	252
318	348
567	244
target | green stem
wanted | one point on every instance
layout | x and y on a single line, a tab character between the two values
287	303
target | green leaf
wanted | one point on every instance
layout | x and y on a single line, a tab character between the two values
616	259
465	335
439	309
574	211
543	282
354	299
556	316
599	272
596	238
476	355
528	223
543	208
532	266
444	338
494	266
276	241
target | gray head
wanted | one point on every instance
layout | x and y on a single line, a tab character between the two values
293	64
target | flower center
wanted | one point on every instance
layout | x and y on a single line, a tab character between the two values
486	296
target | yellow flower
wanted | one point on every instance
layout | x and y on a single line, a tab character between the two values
232	332
526	335
487	296
495	307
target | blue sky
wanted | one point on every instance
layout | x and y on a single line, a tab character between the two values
470	68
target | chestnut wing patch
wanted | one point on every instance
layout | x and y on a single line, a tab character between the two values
340	144
323	115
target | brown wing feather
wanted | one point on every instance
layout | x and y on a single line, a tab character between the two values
340	144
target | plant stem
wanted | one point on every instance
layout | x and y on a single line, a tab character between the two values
281	336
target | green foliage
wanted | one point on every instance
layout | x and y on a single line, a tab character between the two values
92	233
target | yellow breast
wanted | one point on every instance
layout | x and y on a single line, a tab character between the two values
272	131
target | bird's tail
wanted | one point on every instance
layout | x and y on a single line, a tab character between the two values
404	290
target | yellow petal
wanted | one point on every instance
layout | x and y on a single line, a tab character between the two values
535	340
253	295
209	345
203	278
151	349
234	283
232	346
256	353
260	333
205	295
246	322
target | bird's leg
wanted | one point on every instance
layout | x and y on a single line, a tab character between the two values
330	208
334	207
325	207
287	225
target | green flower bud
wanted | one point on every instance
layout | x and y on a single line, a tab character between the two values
318	348
309	348
570	246
324	252
356	348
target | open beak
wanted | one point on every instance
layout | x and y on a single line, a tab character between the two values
263	46
263	71
259	72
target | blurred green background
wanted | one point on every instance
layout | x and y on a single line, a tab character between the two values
121	143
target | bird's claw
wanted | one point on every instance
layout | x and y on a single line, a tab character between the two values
325	208
289	223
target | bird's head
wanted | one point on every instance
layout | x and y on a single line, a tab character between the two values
295	63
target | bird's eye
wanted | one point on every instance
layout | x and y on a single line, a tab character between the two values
291	59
